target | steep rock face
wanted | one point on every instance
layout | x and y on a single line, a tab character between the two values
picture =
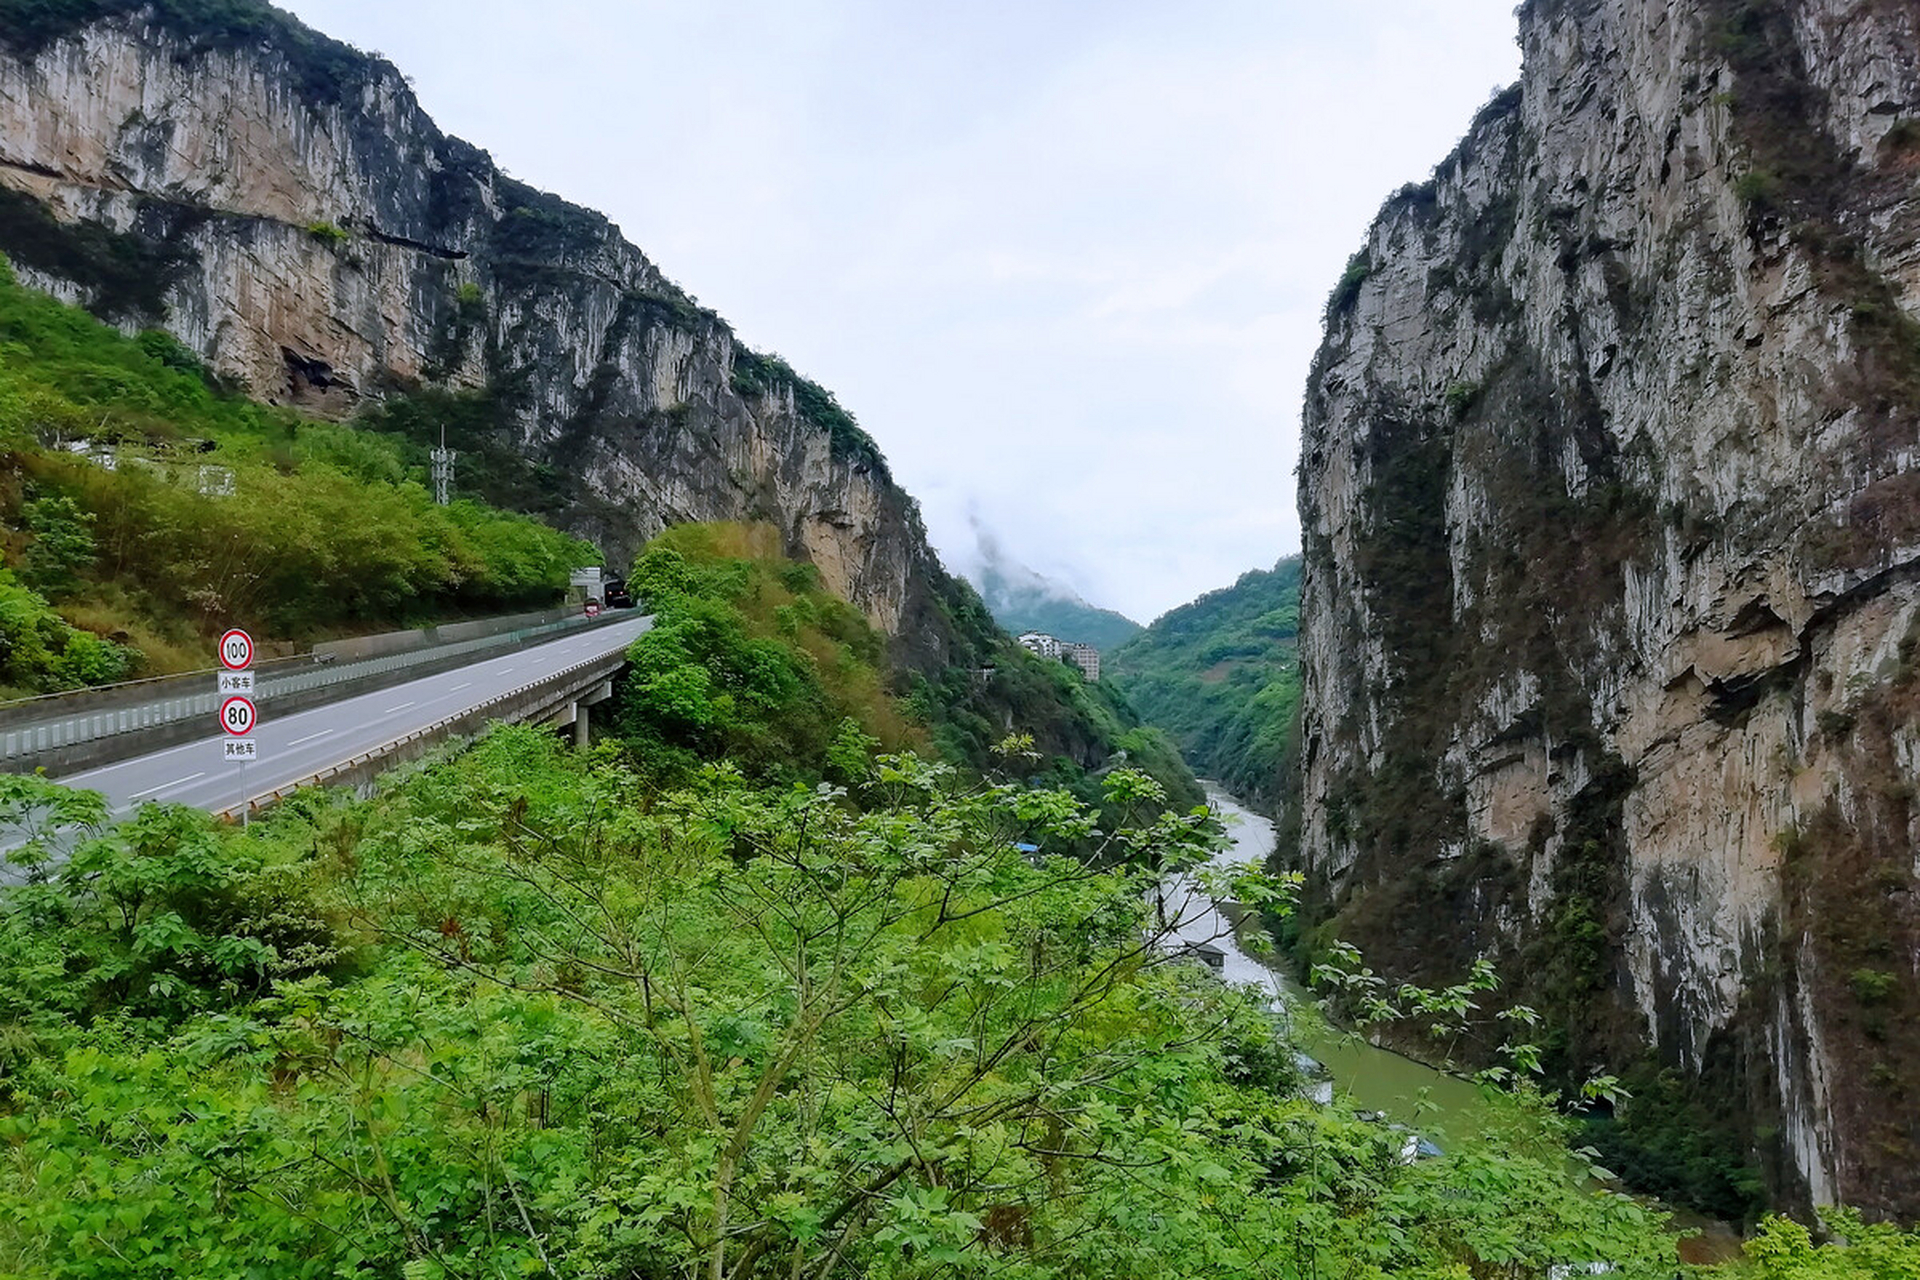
283	206
1611	489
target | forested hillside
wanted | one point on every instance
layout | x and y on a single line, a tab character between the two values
1220	676
143	506
752	660
1023	600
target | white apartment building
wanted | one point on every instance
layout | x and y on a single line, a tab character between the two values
1041	643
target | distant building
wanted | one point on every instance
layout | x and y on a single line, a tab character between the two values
1041	643
587	584
1083	656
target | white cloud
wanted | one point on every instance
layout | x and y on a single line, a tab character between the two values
1064	260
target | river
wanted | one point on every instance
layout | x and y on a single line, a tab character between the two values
1370	1078
1439	1106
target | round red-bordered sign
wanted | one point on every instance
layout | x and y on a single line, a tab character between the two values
237	716
236	650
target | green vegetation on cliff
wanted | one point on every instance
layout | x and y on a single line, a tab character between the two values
149	507
749	660
1220	676
325	69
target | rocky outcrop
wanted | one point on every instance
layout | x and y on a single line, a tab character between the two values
1611	496
284	207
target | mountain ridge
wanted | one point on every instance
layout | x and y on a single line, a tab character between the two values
283	206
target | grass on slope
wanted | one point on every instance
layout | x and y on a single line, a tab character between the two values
1220	675
325	529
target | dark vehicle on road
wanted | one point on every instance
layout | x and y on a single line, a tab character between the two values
616	595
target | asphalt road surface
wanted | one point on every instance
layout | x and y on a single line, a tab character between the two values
300	745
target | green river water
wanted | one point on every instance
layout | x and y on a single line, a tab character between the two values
1439	1106
1412	1093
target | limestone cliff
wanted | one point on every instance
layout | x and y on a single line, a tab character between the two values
281	203
1611	491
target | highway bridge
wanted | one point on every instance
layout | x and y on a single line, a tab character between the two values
350	740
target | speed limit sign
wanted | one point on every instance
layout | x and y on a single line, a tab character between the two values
237	716
236	650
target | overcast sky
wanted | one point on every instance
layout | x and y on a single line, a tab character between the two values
1064	261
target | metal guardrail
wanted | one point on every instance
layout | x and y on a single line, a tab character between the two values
71	730
541	693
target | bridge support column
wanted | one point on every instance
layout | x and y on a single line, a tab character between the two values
580	726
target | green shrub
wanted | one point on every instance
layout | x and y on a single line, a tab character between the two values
329	233
1460	397
40	653
62	547
1872	986
1834	725
1758	189
1347	291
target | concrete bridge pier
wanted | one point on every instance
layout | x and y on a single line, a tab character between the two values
574	713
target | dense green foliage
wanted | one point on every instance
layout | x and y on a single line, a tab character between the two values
1022	600
527	1015
752	659
40	652
749	659
326	527
1666	1141
1220	676
1081	727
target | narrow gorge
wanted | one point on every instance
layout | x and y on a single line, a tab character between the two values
1611	502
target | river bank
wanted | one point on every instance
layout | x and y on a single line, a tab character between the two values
1441	1107
1365	1076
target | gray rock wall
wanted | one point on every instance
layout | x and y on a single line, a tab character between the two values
1611	490
234	165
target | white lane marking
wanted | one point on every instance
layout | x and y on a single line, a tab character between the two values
310	737
163	786
402	707
457	688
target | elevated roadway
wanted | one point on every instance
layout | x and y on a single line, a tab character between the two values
354	737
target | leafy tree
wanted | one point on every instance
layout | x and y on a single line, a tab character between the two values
62	545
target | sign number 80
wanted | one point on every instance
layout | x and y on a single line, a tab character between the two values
237	715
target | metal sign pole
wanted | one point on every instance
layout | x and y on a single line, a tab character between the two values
238	714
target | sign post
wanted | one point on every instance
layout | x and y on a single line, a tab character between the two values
238	715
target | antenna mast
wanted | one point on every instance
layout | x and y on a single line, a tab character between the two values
443	470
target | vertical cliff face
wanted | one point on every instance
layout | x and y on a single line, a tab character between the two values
281	204
1611	489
